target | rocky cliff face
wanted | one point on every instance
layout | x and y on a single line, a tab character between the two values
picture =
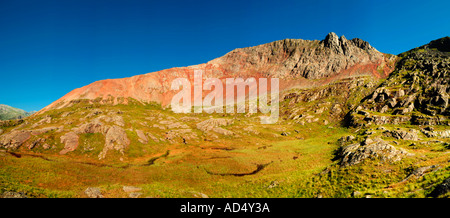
416	92
296	58
298	63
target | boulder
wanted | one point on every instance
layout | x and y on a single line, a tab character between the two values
91	127
370	148
116	139
402	134
70	141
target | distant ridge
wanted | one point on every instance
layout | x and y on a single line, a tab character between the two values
10	113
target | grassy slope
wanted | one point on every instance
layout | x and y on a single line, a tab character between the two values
299	165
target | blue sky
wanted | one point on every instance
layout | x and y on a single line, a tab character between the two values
48	48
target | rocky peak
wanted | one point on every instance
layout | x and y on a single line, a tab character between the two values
362	44
343	46
332	41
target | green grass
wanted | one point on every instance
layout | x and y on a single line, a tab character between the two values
301	164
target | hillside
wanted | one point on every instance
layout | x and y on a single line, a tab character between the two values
298	63
354	122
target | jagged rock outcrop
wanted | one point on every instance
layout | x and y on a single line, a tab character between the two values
294	58
372	148
333	100
418	90
210	124
216	125
411	134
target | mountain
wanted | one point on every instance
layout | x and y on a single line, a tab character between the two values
416	92
298	63
354	122
8	113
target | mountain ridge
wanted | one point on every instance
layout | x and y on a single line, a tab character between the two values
298	63
7	112
358	130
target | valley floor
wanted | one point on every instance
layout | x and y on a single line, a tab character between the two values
302	167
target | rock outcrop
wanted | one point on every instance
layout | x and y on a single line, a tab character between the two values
14	139
93	192
417	91
115	139
70	141
441	189
375	148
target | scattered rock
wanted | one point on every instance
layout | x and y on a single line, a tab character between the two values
153	137
14	139
198	194
93	192
285	133
94	113
189	119
135	195
44	130
9	194
131	189
91	127
36	143
210	124
184	134
345	139
46	146
251	130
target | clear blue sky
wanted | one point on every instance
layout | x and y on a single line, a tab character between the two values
48	48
